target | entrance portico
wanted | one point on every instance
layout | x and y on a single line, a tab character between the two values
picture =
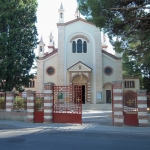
79	74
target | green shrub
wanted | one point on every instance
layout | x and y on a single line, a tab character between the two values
2	102
19	103
39	103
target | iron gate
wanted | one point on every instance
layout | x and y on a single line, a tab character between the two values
130	109
39	108
67	104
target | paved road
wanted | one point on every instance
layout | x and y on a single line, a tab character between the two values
60	139
96	133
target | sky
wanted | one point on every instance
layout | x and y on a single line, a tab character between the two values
47	17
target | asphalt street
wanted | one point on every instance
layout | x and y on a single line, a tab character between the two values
96	133
51	139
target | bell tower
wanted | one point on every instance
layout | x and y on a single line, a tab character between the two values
41	48
104	43
77	14
61	14
51	45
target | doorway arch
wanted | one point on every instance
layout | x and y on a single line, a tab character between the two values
82	80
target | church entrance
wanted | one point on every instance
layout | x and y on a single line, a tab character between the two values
80	88
108	96
81	81
83	94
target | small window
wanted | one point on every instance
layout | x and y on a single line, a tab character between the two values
84	47
41	49
129	84
50	71
73	47
61	15
31	84
50	40
108	71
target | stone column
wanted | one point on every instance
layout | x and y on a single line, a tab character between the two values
40	76
48	102
117	103
97	68
71	92
142	108
9	100
61	59
30	106
88	92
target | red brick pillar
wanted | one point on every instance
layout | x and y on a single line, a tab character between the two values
48	102
118	118
142	108
30	106
9	100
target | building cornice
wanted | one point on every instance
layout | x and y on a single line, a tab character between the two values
110	55
73	21
48	55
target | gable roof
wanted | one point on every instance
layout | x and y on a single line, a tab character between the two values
73	21
48	55
75	67
110	55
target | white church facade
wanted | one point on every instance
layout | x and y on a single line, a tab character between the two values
81	59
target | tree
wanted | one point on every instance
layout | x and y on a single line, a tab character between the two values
145	67
127	23
18	39
130	66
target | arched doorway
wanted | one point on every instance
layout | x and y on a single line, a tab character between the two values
81	80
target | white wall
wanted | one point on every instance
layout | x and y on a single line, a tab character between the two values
89	58
51	61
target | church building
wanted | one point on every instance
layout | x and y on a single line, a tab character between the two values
81	59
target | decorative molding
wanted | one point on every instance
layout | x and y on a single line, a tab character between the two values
48	68
79	36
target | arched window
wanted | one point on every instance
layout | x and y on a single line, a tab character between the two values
50	40
41	49
61	15
84	47
79	46
73	47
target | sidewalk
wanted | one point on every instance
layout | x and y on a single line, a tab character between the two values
16	125
93	121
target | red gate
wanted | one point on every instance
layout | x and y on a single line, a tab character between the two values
39	108
67	104
130	110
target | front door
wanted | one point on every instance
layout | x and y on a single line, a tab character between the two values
83	94
108	96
